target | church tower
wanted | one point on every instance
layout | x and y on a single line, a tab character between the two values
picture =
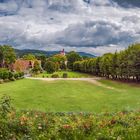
63	52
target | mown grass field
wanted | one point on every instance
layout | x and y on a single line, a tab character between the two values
71	74
71	96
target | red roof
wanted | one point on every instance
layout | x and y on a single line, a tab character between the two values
22	65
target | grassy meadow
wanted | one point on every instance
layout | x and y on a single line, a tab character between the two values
71	74
71	96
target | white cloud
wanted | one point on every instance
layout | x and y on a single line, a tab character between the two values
100	27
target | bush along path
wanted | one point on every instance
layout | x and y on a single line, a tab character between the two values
34	125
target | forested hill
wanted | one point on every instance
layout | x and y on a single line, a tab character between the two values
47	53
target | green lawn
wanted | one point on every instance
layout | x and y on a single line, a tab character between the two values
67	96
71	74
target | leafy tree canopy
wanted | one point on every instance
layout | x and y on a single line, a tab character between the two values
29	57
73	57
7	55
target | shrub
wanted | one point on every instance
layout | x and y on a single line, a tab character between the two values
62	126
5	106
21	74
1	75
11	75
65	75
55	76
5	75
37	67
35	125
50	67
16	75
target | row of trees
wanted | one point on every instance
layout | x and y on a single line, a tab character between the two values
59	61
49	64
7	58
124	65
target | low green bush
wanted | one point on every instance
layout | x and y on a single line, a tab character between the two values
4	74
21	74
55	76
7	75
11	75
35	125
16	75
2	71
65	75
50	67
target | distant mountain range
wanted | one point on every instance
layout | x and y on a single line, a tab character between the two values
47	53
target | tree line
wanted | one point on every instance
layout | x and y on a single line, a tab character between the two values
50	64
124	65
8	57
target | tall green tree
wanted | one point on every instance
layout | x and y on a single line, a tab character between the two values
105	64
7	55
72	57
113	65
37	67
43	60
134	61
59	60
50	66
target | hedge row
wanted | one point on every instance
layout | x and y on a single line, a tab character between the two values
6	75
34	125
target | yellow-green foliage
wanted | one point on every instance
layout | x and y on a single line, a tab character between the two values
61	126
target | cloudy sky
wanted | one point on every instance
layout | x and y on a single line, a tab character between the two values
92	26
